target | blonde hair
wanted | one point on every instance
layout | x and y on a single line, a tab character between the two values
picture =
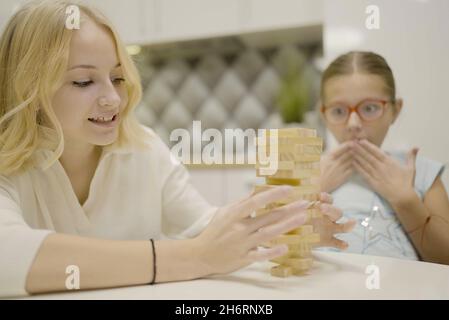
34	52
364	62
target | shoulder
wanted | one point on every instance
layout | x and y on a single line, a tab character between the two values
427	171
154	153
8	188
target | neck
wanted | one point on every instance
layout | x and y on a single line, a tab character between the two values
77	159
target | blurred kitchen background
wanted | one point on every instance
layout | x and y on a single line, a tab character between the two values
257	64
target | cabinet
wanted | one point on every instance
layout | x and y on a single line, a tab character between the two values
159	21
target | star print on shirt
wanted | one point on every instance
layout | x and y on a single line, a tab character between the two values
380	226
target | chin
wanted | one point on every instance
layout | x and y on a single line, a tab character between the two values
104	141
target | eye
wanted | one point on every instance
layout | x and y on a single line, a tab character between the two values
337	111
370	108
118	80
82	84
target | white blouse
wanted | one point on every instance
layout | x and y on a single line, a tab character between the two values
134	195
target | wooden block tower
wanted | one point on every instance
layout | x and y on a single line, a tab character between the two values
298	155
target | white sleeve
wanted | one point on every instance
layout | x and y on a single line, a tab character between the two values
18	243
185	213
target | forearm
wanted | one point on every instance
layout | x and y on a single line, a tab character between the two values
427	232
108	263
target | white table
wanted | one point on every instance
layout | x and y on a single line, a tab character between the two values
333	276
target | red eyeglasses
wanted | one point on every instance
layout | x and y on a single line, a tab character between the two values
367	109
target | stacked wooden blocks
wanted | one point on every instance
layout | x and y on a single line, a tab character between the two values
298	154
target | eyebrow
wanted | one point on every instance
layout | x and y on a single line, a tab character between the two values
87	66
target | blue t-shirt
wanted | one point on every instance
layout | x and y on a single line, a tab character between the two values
378	231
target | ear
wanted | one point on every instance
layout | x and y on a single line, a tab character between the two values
397	109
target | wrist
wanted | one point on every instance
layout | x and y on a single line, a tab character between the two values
177	260
404	199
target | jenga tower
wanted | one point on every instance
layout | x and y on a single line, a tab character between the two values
298	156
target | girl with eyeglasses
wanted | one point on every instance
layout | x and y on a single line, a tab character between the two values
398	199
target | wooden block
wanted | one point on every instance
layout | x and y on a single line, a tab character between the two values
274	205
289	174
291	165
301	246
262	211
296	190
292	182
300	272
299	192
294	263
295	132
299	250
311	213
306	253
287	239
276	182
302	250
308	197
302	230
282	165
311	238
294	239
302	149
299	263
290	141
281	271
291	156
290	145
314	214
281	260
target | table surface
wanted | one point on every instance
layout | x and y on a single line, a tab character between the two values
333	276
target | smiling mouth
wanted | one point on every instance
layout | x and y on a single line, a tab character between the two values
101	120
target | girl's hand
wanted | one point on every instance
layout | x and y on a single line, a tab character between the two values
327	226
386	175
231	239
336	167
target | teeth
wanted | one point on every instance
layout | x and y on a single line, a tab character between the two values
102	119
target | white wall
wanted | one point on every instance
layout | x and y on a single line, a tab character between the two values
414	38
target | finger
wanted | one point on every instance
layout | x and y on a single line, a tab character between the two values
341	150
411	158
361	163
345	227
339	244
262	254
347	173
345	158
326	198
373	149
330	211
361	152
360	169
269	232
260	200
278	214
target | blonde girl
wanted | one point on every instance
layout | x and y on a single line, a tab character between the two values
83	184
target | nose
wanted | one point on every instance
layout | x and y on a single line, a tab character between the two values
109	96
354	123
